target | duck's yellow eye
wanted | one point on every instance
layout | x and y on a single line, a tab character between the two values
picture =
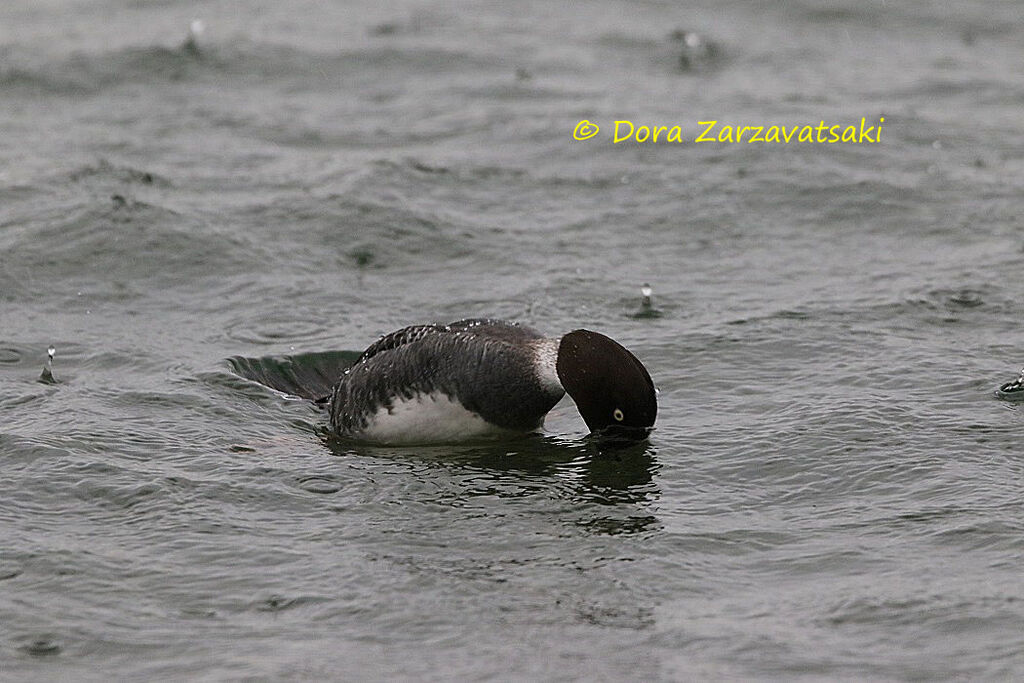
619	417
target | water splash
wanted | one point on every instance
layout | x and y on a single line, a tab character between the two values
647	309
47	375
696	51
191	44
1012	391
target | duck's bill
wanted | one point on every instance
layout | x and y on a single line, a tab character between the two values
616	433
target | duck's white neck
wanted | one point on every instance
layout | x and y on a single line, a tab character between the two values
546	360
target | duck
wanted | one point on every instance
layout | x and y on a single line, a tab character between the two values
483	378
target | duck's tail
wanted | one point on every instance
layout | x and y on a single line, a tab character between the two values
307	375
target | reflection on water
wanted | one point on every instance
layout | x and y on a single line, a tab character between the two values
584	472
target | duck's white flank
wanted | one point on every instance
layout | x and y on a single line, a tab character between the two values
428	418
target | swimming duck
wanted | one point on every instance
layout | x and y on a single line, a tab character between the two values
480	378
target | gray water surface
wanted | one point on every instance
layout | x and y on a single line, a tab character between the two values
832	491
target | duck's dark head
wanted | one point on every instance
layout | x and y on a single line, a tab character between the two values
611	388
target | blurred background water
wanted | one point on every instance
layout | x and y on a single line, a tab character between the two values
833	490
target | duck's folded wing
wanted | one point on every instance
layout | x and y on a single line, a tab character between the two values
486	328
501	330
401	337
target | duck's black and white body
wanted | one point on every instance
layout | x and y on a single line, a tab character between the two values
484	378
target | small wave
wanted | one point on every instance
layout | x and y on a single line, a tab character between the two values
35	81
962	301
278	603
360	233
105	171
123	238
41	645
89	73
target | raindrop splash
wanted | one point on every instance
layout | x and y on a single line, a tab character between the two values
647	309
47	375
191	44
646	292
